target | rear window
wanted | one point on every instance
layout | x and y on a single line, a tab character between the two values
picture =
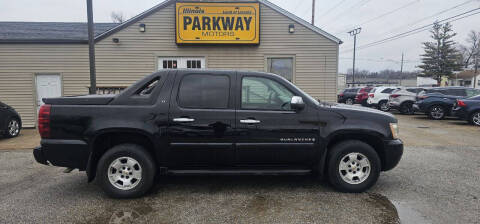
456	92
472	92
388	90
442	91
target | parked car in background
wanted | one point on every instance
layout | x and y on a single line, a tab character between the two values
348	95
378	97
438	102
403	99
362	95
10	122
468	109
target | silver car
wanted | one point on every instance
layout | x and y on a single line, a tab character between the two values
403	99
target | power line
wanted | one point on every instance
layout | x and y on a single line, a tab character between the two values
430	16
331	9
382	15
416	30
357	5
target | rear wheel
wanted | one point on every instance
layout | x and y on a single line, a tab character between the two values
406	108
436	112
475	118
126	171
349	101
353	166
13	128
383	106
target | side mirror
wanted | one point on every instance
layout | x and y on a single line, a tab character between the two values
297	103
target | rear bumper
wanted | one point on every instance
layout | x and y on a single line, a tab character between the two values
393	153
64	153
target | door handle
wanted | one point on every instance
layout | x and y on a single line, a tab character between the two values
183	119
249	121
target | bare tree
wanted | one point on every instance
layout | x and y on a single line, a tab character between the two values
471	53
118	17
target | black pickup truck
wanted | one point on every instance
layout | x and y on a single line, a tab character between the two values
214	122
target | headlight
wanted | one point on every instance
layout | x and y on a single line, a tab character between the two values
394	129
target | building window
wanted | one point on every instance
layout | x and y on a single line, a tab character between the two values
282	66
201	91
181	63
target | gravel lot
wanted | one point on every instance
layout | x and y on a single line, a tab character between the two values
437	181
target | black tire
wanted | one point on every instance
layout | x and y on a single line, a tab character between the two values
407	108
474	118
436	112
349	101
138	153
12	121
344	148
383	106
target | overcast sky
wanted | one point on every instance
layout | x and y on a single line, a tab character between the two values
379	19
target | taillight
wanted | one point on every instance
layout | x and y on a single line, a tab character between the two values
341	94
394	95
460	103
371	95
44	121
422	97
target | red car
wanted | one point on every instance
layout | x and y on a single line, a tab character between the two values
362	96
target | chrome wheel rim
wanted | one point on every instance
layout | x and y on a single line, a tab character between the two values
384	107
354	168
13	127
476	119
437	112
349	101
125	173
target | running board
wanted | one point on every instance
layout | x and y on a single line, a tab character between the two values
239	172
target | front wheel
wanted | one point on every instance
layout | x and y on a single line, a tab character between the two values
353	166
475	118
126	171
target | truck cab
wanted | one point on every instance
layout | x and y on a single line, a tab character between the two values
216	122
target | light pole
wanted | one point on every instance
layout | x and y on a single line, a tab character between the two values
354	33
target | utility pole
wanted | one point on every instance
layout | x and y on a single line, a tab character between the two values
313	12
401	66
354	34
475	84
91	49
401	71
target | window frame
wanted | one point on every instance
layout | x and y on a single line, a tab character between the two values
240	89
177	98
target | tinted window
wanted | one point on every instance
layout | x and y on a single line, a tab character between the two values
387	90
373	90
148	88
204	91
456	92
264	94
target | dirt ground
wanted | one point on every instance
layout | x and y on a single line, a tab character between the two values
419	130
28	139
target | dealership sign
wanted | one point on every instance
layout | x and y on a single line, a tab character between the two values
217	23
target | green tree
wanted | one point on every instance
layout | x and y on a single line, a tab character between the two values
441	56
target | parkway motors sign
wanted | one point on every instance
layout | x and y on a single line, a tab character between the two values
217	23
